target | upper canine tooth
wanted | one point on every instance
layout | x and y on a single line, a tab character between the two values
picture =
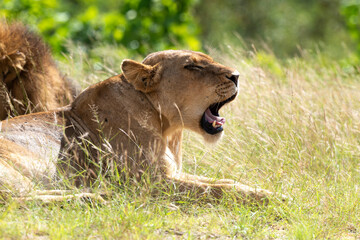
214	123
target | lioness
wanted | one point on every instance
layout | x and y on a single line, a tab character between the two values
29	78
138	117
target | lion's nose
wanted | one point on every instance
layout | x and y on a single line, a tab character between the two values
234	77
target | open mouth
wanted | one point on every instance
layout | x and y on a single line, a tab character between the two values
211	121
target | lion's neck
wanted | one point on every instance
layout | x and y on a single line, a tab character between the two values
169	114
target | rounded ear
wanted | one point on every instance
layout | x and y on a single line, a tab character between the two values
11	65
143	77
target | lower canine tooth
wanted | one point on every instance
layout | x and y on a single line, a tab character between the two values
214	123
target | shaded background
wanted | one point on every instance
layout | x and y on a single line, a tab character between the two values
142	26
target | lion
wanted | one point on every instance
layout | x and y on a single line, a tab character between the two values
137	118
29	78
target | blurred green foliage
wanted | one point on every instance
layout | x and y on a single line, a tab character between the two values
350	9
140	25
281	26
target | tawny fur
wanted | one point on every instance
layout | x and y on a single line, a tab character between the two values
29	79
133	122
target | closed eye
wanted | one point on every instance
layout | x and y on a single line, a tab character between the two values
194	67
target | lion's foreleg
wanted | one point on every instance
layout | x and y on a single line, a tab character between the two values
206	179
217	188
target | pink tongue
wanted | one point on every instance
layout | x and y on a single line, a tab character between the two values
211	118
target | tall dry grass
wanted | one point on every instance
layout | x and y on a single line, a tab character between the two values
294	128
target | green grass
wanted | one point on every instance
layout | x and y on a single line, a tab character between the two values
294	129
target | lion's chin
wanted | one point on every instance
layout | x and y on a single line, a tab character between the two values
212	138
208	138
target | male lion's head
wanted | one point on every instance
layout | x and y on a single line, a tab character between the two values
187	88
